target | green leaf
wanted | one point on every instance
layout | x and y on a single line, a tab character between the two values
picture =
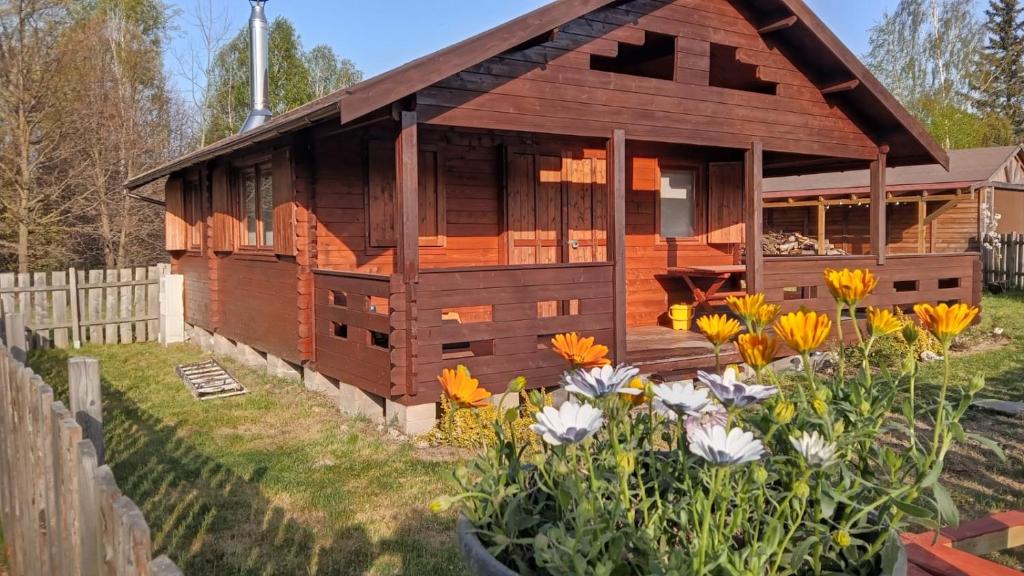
828	503
801	550
913	510
990	444
933	474
894	556
948	512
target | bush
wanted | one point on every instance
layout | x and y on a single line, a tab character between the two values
462	428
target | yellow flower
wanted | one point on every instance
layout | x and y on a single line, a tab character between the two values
580	352
850	286
637	383
841	538
803	331
463	389
882	321
718	328
765	315
783	412
946	322
757	350
746	306
820	407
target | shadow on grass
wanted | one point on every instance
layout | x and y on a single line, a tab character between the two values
213	521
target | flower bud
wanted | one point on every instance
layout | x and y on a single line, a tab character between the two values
838	427
820	407
537	399
865	408
517	384
910	333
760	474
976	384
801	490
441	504
841	538
910	364
783	412
626	463
561	468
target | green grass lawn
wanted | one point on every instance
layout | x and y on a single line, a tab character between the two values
273	482
277	482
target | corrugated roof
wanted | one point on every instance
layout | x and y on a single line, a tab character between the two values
968	165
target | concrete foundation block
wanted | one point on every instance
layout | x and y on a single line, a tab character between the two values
201	337
247	356
356	402
282	368
222	346
510	401
558	396
411	420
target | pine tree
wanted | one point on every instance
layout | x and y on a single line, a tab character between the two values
1000	85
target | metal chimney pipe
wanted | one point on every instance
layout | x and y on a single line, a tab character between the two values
259	81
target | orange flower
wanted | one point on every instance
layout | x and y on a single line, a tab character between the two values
850	286
746	306
757	350
718	328
882	321
803	331
765	315
462	389
944	321
580	352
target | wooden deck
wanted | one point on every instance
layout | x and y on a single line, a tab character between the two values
671	354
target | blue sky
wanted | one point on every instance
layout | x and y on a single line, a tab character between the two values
379	35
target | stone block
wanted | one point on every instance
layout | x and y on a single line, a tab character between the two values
411	420
222	346
248	356
558	396
510	401
281	368
201	337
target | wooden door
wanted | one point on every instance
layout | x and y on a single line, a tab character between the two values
725	203
585	179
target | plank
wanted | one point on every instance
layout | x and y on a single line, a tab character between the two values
95	296
111	309
7	299
125	307
41	311
153	303
89	511
139	303
58	279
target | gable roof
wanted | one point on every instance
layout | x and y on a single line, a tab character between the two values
809	36
966	167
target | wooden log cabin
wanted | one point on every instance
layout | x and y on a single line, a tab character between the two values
552	174
928	209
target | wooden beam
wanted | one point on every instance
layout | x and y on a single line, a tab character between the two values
407	220
841	87
941	210
778	25
821	228
878	226
922	213
793	203
753	203
616	166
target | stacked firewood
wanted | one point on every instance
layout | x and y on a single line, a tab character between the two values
775	243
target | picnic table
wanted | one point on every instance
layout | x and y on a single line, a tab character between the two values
719	274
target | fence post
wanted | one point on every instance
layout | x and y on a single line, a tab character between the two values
14	335
76	316
87	401
172	309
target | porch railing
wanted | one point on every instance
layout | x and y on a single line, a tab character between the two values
904	280
498	322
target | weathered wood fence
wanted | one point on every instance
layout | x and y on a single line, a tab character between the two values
1005	265
62	511
69	307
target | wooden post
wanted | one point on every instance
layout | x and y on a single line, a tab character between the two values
922	214
89	511
76	316
754	208
878	201
616	165
14	335
86	400
407	220
822	238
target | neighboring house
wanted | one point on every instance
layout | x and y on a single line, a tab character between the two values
560	172
930	209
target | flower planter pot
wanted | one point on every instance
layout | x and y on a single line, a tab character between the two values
478	560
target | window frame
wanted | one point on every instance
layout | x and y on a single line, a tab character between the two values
700	213
257	167
192	198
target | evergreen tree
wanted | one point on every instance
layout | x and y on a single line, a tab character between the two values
1000	82
296	77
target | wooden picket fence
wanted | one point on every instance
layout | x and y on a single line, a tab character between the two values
62	511
69	307
1004	266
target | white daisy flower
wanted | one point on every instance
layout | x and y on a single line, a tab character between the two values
732	392
817	452
710	416
678	399
718	447
601	381
570	423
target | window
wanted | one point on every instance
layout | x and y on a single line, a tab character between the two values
655	58
194	214
257	194
677	203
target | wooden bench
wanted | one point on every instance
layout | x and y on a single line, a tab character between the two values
956	551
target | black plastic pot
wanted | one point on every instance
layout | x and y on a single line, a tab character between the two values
478	560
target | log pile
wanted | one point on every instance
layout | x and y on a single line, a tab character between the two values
776	243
